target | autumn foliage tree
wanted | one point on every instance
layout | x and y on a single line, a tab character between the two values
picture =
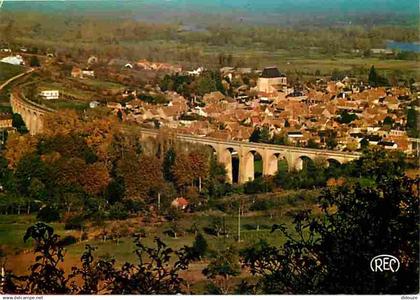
190	169
18	146
141	176
62	122
95	178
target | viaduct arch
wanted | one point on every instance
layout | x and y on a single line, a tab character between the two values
32	113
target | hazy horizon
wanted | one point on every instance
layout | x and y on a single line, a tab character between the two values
262	11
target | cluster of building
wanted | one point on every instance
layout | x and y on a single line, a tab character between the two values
300	116
303	116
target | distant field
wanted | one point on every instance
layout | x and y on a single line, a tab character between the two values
312	61
104	85
290	61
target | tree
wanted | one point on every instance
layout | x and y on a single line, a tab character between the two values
331	143
412	122
331	254
99	134
48	214
375	79
168	162
19	124
94	179
312	144
260	135
330	138
204	85
182	171
216	182
221	269
18	146
346	118
142	176
200	166
217	226
200	246
364	143
62	122
388	121
29	168
34	62
373	76
68	173
45	276
352	145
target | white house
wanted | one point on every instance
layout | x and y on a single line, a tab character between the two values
294	134
196	72
50	94
199	111
94	104
13	60
88	73
388	145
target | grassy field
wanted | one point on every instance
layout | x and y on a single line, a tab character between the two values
19	257
8	71
254	226
72	96
102	85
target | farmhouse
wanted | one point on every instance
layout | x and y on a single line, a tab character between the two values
50	94
88	72
13	60
180	203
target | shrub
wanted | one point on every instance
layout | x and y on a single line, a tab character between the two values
259	185
249	227
98	218
48	214
67	240
118	212
141	232
262	205
200	247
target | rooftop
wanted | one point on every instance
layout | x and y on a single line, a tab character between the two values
272	72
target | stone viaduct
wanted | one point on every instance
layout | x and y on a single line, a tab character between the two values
227	151
270	155
32	113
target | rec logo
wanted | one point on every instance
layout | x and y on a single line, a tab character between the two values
384	262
